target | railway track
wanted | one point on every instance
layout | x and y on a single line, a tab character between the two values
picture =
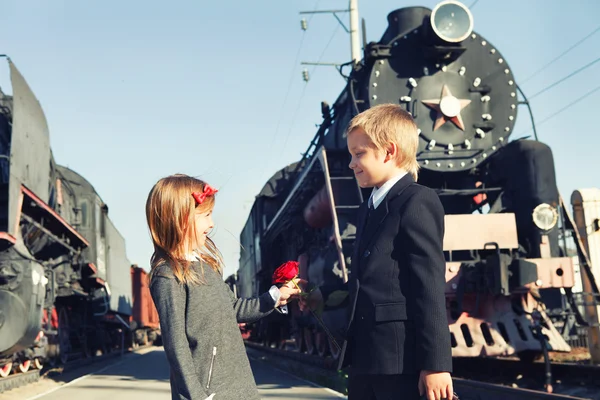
475	379
474	390
20	379
528	375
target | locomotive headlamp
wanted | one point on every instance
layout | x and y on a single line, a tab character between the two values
452	21
545	216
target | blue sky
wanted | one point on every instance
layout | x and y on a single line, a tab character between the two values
137	90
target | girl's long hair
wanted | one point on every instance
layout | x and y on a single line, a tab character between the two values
170	213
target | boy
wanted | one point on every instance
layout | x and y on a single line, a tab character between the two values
397	341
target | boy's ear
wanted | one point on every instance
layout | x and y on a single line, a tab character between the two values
391	151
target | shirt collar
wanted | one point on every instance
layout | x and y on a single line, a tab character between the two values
378	194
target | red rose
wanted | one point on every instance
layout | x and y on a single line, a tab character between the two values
286	272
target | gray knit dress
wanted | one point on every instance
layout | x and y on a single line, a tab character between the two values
201	337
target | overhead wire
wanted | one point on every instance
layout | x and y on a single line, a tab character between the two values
304	89
565	78
575	101
560	55
571	104
570	75
288	90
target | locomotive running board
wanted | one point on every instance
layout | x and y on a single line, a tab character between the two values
40	214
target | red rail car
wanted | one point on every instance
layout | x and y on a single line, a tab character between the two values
144	321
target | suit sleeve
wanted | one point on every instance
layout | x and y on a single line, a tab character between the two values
170	299
253	309
423	228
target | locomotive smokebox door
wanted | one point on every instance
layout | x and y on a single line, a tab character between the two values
457	86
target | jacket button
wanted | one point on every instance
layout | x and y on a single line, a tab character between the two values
367	253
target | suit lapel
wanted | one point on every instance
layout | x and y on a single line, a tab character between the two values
361	220
372	225
380	213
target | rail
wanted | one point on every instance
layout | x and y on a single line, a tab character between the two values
20	379
532	372
474	378
473	390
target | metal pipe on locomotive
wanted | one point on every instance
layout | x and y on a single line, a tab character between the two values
513	252
67	288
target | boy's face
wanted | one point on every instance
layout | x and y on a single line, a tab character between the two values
371	166
204	224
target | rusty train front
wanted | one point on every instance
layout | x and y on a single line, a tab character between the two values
512	258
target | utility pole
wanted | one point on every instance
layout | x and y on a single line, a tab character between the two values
355	49
354	36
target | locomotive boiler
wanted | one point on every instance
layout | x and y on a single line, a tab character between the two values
510	269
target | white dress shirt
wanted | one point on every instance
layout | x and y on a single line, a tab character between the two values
378	194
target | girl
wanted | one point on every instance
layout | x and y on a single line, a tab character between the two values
197	310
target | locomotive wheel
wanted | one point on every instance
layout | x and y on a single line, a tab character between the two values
87	352
321	344
24	366
5	370
298	340
144	338
64	344
335	353
85	346
309	341
102	350
38	363
52	360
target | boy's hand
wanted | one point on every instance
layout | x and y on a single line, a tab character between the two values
289	291
312	301
436	385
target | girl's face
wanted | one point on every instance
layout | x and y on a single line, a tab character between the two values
204	224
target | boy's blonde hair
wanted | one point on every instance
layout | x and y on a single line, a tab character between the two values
387	123
170	213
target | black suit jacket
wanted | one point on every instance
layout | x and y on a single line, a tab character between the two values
397	308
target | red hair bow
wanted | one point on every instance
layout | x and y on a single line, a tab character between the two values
208	191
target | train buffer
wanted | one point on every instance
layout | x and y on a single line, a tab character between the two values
144	375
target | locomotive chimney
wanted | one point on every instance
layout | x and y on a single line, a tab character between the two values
405	20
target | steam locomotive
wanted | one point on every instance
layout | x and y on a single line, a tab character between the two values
513	257
66	285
